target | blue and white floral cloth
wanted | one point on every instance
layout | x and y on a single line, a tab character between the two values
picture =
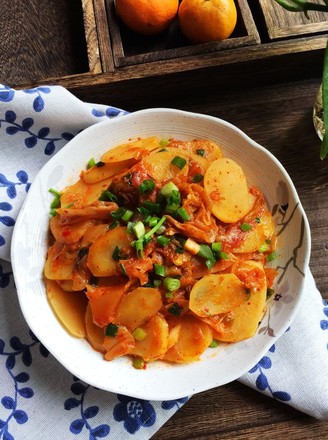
38	397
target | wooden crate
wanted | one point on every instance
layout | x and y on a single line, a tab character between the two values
281	23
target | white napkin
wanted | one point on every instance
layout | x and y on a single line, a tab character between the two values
34	125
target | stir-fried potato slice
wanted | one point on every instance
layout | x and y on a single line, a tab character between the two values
137	307
106	170
155	343
194	338
69	233
104	301
160	168
60	262
119	345
246	316
201	147
257	236
131	150
92	233
226	185
69	308
100	257
95	335
215	294
81	193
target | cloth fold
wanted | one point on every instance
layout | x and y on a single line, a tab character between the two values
34	125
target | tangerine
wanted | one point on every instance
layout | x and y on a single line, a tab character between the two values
202	21
148	17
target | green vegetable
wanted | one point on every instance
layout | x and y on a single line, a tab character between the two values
159	270
171	284
200	152
214	343
271	256
116	254
139	229
197	178
91	163
146	186
245	227
163	241
183	214
118	213
175	309
111	330
127	215
107	195
139	334
179	162
139	363
56	201
167	189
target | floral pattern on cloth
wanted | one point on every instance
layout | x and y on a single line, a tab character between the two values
38	397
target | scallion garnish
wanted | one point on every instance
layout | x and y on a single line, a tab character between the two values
163	142
264	247
175	309
127	215
183	214
139	334
146	186
116	254
159	270
171	284
152	207
100	164
139	229
139	363
163	241
179	162
197	178
152	221
91	163
269	292
118	213
113	225
111	330
56	201
271	256
107	196
167	189
214	343
245	227
200	152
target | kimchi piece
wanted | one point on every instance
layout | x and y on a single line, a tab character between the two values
159	251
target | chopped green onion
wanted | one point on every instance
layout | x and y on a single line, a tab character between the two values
167	189
200	152
56	201
113	225
69	205
179	162
171	284
138	244
122	269
139	229
271	256
153	221
82	253
222	256
245	227
127	215
183	214
216	247
214	343
157	283
173	202
139	363
129	227
139	334
164	142
197	178
257	219
146	186
111	330
53	212
107	195
155	228
100	164
152	206
269	293
205	252
118	213
210	263
159	270
169	295
175	309
163	241
264	247
91	163
116	253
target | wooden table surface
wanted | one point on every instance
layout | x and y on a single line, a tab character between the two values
277	115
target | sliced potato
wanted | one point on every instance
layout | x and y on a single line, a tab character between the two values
257	236
201	147
158	165
137	307
92	233
81	193
194	338
60	262
155	344
95	335
69	307
216	293
119	345
70	233
104	301
226	185
247	316
100	257
98	173
131	150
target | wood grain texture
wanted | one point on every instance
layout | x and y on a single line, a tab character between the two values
282	23
91	36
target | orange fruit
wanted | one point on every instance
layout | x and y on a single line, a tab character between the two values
147	17
202	21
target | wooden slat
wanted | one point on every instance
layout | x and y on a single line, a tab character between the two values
281	23
106	55
91	36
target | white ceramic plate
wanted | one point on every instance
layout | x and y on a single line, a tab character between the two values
160	381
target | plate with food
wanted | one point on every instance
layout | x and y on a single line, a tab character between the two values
160	254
